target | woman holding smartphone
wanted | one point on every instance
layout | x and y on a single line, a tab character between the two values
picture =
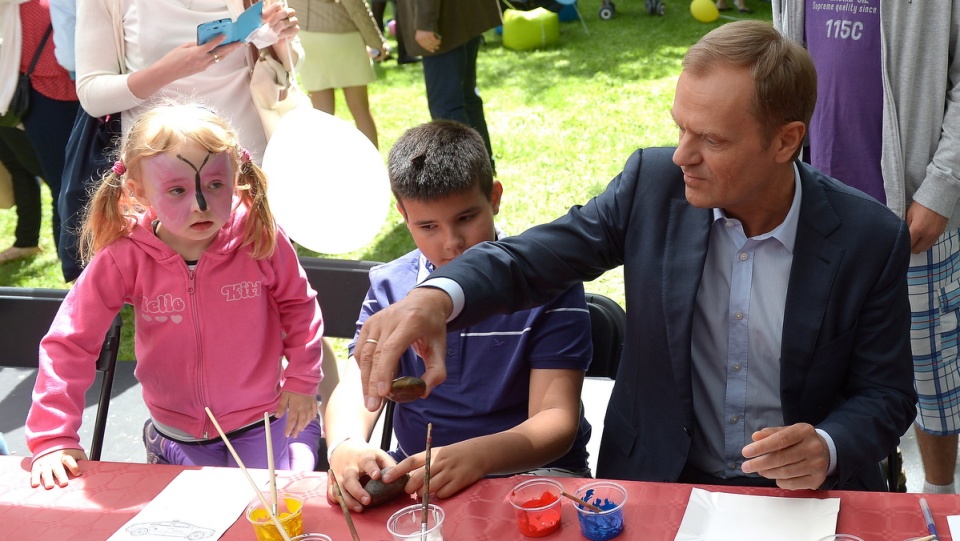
163	59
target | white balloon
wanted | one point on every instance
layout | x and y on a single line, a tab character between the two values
327	184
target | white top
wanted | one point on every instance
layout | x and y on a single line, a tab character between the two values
151	29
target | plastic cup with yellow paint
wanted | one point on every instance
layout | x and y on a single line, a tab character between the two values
289	511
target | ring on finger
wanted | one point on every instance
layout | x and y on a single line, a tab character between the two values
371	341
216	58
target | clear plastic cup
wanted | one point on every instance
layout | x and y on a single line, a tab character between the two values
608	523
536	503
289	511
407	524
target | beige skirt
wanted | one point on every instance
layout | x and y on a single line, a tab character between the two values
334	61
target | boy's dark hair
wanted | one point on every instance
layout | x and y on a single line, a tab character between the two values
438	159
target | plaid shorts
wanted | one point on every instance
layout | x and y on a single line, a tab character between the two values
933	282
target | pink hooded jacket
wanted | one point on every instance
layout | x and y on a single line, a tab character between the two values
214	336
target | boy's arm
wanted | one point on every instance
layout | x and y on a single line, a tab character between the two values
548	433
348	426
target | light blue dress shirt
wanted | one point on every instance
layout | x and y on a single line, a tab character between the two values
737	331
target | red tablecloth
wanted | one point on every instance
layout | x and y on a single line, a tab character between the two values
94	506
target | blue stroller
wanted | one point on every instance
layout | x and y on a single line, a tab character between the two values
654	7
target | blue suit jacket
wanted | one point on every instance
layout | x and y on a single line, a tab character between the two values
846	365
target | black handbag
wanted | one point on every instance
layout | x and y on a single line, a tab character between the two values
90	153
20	102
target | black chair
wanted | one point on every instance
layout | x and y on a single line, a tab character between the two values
608	324
341	286
25	317
893	466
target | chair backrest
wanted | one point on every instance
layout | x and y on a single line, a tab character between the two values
25	318
608	323
341	286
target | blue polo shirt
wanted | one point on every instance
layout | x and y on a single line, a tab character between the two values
488	366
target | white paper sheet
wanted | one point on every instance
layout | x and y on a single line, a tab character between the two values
717	516
197	504
953	524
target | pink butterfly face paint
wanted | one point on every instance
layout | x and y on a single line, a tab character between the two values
190	190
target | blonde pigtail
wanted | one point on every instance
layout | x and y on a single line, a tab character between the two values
261	227
104	219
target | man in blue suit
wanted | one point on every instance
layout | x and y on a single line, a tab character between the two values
768	321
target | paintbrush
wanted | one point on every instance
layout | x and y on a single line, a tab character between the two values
343	506
589	506
424	514
253	484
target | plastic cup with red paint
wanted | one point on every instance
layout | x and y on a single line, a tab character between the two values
536	503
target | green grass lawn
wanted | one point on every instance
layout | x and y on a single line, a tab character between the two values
562	122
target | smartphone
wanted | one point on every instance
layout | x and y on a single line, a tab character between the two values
209	30
246	23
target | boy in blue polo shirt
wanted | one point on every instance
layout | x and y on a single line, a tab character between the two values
511	400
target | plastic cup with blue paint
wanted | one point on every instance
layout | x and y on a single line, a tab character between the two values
610	497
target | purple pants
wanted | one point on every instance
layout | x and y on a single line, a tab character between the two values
299	453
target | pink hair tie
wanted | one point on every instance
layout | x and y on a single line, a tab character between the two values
244	155
119	168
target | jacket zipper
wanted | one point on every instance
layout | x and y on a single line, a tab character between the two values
192	274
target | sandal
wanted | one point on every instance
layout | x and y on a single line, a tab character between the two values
16	252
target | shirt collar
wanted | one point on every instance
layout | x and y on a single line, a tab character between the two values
786	232
427	267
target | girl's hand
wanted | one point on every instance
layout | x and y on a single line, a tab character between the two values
52	468
452	469
351	460
281	19
300	409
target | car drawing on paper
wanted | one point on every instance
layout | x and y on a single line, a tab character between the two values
173	528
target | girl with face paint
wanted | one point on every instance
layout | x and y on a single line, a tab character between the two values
181	230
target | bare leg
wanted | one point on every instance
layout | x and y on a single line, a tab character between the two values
939	456
323	100
359	105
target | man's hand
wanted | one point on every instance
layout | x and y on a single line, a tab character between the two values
430	41
795	456
925	225
350	461
419	320
51	469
